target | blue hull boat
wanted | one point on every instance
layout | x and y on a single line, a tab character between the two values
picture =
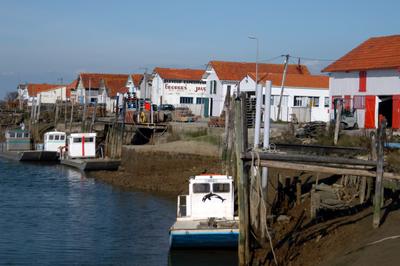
213	238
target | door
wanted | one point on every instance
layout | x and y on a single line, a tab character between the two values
396	112
370	102
206	104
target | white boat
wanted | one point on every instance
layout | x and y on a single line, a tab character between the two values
205	217
81	154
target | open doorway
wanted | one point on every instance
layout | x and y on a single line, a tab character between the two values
386	108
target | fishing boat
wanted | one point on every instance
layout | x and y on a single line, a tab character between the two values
81	153
17	141
49	151
205	217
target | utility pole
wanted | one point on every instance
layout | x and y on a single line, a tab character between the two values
282	86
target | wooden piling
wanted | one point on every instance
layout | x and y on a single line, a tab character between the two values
339	106
378	199
72	116
242	177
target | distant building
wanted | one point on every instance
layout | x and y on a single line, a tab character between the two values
221	76
306	96
181	88
49	93
133	85
367	79
102	88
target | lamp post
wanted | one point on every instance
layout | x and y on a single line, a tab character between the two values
255	38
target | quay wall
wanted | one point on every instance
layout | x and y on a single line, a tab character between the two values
160	171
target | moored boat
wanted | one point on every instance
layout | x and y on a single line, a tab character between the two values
81	154
205	217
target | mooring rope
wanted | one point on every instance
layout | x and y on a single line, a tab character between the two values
258	196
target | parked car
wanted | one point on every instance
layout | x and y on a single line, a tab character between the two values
166	107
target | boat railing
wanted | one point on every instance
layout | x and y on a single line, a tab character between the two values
182	205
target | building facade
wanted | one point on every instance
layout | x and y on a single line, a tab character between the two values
181	88
304	96
221	76
368	80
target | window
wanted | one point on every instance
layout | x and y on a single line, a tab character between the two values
200	100
62	137
221	187
201	188
57	137
12	134
19	135
314	101
77	140
326	102
89	139
51	137
358	102
187	100
213	87
299	101
228	88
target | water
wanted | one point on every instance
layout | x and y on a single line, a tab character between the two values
54	215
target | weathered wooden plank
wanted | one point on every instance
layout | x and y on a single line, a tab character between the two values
309	158
324	169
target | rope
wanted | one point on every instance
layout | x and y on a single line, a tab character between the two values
258	196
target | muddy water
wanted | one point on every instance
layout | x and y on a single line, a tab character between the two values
53	215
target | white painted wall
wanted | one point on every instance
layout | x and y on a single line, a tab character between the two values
379	82
53	95
171	92
320	113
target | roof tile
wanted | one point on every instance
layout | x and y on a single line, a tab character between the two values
374	53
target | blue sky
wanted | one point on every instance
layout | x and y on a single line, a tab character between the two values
44	40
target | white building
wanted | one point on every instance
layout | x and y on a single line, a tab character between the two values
102	88
50	93
368	80
306	96
221	76
181	88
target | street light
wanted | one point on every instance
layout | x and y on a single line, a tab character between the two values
255	38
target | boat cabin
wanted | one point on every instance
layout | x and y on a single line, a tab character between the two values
54	140
18	140
209	196
82	145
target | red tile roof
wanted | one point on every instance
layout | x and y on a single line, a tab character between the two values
137	78
71	86
114	83
34	89
179	74
294	80
374	53
238	70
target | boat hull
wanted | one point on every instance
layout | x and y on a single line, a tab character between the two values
212	238
43	156
93	164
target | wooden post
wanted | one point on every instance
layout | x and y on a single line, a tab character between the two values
378	199
242	176
72	116
65	115
93	117
56	115
339	106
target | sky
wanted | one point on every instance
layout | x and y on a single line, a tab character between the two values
44	41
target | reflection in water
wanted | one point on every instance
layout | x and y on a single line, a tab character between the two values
52	215
203	257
